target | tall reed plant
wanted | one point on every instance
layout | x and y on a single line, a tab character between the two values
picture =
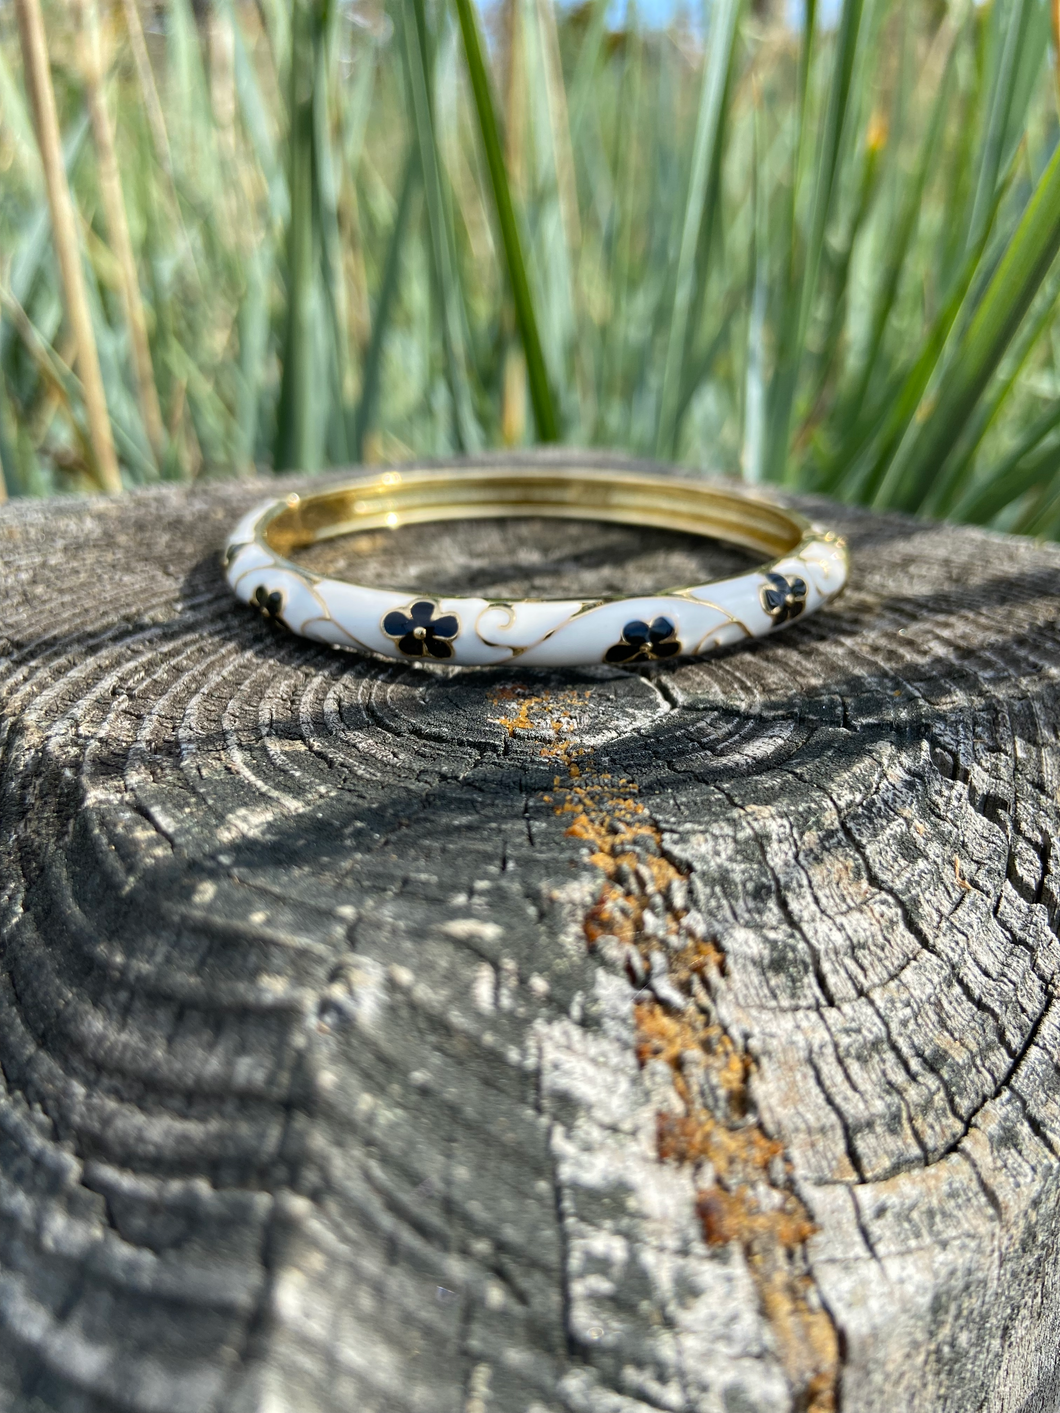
816	253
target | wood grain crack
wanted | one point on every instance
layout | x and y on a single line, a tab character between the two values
642	919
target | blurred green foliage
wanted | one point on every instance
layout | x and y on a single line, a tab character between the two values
817	256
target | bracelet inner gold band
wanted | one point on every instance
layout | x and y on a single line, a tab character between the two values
414	497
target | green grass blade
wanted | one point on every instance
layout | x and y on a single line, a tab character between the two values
700	207
1043	519
620	226
836	290
32	241
555	251
900	405
332	288
13	483
781	388
130	438
211	418
870	452
586	70
1015	474
72	396
1015	281
955	474
1034	50
830	150
413	28
255	115
806	53
373	359
555	93
1042	515
835	131
296	441
752	440
19	125
1013	28
872	446
899	241
253	351
537	376
356	111
192	134
278	25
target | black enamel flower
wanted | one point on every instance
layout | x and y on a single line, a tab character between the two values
783	597
645	642
271	605
418	633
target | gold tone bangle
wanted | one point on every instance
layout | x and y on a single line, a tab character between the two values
804	568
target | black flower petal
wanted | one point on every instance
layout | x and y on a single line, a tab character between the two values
661	631
645	641
271	604
418	633
395	623
448	626
783	598
636	633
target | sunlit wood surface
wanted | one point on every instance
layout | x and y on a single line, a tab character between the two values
593	1041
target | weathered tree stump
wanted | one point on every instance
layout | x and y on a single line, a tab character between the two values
375	1038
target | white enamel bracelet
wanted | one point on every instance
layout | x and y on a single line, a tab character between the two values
805	568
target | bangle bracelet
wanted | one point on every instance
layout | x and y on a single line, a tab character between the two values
806	567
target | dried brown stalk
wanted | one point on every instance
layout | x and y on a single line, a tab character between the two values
64	231
513	386
118	227
155	119
54	371
221	48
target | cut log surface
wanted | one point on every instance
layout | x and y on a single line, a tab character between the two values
377	1039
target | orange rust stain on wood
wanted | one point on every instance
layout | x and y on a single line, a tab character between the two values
677	1038
531	712
744	1191
737	1216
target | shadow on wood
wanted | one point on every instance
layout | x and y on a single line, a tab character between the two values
522	1042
